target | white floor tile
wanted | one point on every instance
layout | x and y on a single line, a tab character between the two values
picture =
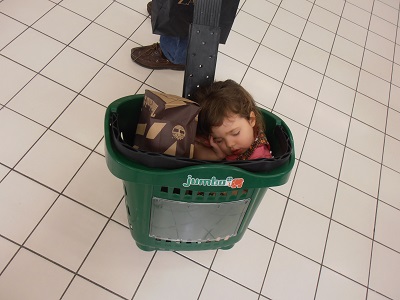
41	280
396	75
394	101
271	63
142	35
374	87
372	295
383	10
337	95
82	122
120	19
51	154
138	5
115	262
13	78
356	14
323	153
95	187
324	18
388	189
61	24
122	61
168	81
249	26
22	208
289	22
370	112
377	65
239	47
333	286
101	91
263	88
335	6
352	32
7	251
388	226
72	69
14	28
280	41
385	271
342	71
348	253
311	57
42	100
304	231
348	51
86	290
267	219
289	269
301	8
26	13
98	42
42	49
89	9
3	171
360	172
366	5
350	202
304	79
380	45
393	122
120	214
318	36
229	67
365	140
383	28
330	122
218	287
174	276
322	194
55	237
392	148
17	134
295	105
264	10
245	263
204	258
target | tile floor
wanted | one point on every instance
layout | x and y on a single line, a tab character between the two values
329	68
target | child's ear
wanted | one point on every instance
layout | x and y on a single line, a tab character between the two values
252	119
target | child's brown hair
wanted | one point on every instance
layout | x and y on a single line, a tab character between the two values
220	100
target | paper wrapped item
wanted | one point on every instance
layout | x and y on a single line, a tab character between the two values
167	124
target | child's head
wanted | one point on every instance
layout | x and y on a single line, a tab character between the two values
229	114
224	99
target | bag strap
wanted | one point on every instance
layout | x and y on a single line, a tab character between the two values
204	36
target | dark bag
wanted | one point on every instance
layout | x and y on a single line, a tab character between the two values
167	124
173	17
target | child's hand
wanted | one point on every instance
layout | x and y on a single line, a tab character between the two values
218	152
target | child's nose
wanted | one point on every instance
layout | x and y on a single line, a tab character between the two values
230	143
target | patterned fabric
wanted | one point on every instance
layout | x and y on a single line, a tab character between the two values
260	140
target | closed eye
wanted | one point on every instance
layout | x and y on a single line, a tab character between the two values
236	133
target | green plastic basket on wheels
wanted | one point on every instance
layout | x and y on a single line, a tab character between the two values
201	207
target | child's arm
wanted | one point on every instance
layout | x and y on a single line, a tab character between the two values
212	152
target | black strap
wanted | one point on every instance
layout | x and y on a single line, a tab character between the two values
204	36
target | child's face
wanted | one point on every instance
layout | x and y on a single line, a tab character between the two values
235	135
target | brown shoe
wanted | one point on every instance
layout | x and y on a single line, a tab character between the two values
151	57
149	5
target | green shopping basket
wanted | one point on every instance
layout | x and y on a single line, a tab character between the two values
200	207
